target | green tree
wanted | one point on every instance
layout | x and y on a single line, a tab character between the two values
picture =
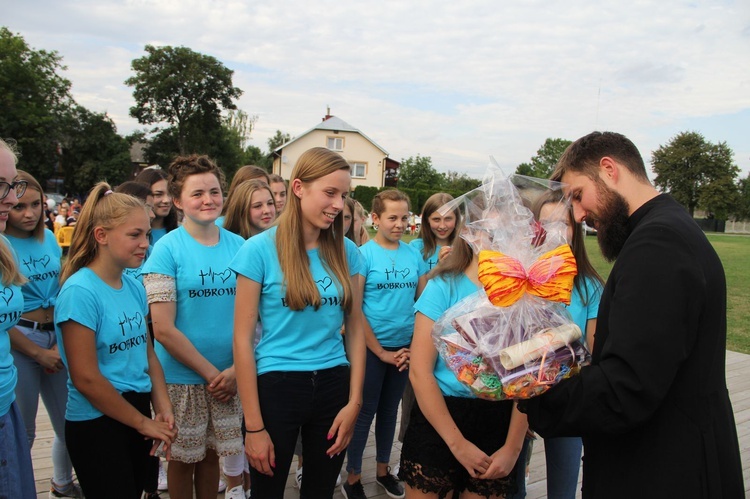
93	151
546	158
34	102
278	139
697	173
184	89
461	182
418	172
254	156
742	212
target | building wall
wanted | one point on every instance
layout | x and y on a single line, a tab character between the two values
356	149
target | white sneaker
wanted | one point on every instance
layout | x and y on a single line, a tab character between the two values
298	479
222	485
235	493
162	485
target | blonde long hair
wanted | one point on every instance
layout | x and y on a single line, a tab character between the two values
245	173
301	290
103	208
8	266
237	218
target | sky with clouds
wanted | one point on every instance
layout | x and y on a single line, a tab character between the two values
456	81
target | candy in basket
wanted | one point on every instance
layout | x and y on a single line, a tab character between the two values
514	339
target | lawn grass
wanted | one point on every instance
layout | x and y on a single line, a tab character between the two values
734	252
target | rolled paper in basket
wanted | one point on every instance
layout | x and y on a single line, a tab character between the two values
547	340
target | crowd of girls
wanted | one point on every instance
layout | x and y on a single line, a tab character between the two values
335	349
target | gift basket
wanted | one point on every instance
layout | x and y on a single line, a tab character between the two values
514	339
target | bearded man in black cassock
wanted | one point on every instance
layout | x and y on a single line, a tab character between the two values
653	408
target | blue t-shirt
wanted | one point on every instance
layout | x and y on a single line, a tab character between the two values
220	221
432	259
137	273
582	313
118	319
39	262
302	340
11	307
391	278
439	295
205	298
157	234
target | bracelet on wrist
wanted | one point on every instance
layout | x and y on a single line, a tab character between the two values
256	431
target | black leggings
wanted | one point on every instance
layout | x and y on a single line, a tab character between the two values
111	459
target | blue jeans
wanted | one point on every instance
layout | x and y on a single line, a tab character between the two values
383	388
309	401
33	381
16	470
563	456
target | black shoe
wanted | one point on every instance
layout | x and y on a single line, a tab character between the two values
391	485
353	490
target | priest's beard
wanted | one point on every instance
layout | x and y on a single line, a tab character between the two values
612	222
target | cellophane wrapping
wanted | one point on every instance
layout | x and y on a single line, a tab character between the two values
514	339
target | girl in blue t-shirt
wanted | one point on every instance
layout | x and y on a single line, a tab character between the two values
251	209
165	215
437	231
301	278
191	291
114	375
563	454
455	441
393	275
245	173
16	472
35	352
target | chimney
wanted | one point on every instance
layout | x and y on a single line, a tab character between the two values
328	113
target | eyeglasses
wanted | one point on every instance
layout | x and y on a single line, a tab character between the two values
18	186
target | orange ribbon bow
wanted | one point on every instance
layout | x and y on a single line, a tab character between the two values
550	277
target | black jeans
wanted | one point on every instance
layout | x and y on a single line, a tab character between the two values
306	401
111	459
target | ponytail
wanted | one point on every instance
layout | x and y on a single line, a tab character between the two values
103	208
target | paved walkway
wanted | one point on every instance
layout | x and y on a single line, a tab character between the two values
738	379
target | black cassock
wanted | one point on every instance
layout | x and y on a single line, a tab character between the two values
653	408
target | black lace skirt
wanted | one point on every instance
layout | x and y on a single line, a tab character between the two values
427	463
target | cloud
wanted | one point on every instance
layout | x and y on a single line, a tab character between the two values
454	81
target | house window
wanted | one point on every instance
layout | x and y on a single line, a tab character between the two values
336	143
359	170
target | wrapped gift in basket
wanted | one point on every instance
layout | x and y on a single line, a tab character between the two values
514	339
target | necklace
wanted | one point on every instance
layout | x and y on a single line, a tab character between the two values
394	252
